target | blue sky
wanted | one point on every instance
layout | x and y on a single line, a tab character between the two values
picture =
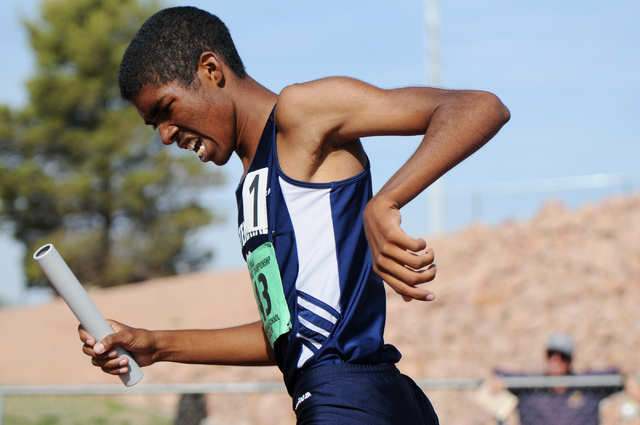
568	70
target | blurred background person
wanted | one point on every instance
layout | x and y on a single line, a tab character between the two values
563	405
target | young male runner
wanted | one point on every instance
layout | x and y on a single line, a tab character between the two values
317	244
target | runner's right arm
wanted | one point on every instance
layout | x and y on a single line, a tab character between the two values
244	345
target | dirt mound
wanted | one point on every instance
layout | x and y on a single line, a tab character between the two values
501	291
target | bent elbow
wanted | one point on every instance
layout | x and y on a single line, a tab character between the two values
497	109
505	113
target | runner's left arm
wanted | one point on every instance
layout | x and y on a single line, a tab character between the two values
454	124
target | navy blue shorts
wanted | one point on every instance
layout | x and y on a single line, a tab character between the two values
360	394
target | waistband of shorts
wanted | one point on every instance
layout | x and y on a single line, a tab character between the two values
327	370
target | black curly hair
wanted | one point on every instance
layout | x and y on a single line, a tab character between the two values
168	46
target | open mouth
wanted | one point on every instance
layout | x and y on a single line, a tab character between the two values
196	146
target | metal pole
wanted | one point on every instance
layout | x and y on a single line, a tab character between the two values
432	26
436	192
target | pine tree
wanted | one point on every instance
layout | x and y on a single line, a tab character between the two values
78	167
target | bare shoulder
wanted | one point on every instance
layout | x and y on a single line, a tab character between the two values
322	89
318	103
310	146
346	109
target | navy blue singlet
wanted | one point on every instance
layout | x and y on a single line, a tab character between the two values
336	302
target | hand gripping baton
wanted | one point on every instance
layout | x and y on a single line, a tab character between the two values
72	292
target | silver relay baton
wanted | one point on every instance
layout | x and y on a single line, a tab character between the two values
72	292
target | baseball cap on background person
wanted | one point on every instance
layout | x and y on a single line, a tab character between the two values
560	343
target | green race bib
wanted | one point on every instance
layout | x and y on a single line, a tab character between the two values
267	288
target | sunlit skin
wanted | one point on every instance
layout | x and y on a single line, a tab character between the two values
177	113
320	142
320	127
207	111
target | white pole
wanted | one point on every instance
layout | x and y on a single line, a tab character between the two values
436	192
432	32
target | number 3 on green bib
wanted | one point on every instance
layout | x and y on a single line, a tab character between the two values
267	288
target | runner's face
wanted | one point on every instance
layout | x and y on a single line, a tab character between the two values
196	119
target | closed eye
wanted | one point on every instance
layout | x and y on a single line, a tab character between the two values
158	116
164	112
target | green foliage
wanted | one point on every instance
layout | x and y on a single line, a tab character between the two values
81	410
78	167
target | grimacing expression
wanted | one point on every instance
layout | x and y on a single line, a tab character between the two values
197	119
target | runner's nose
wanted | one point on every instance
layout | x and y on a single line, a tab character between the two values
167	133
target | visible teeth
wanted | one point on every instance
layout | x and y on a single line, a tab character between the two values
196	146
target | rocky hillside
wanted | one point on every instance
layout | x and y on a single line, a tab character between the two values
501	291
